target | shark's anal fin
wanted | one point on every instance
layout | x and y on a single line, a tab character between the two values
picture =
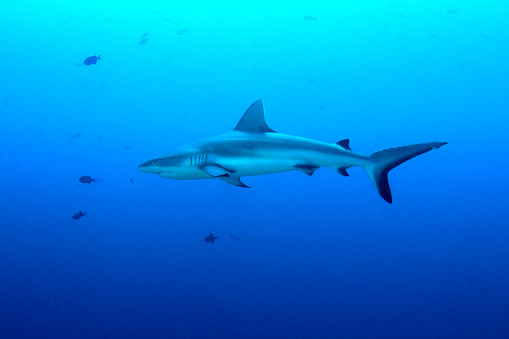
253	120
307	169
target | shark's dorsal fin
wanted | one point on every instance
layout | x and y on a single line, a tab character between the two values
253	121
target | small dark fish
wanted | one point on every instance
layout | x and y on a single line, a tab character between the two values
75	136
182	31
236	237
210	238
143	41
78	215
126	147
91	60
131	180
144	35
309	17
87	179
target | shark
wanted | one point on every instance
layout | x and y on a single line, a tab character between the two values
253	148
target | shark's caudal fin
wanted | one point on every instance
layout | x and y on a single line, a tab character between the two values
381	162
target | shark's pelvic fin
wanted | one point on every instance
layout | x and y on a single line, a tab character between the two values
383	161
253	120
307	169
343	172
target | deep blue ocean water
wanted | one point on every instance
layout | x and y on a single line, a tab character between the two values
321	256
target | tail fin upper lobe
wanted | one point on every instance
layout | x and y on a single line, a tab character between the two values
381	162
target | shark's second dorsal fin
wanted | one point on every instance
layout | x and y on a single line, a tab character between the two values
344	144
253	120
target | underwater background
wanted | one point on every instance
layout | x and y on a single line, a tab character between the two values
321	256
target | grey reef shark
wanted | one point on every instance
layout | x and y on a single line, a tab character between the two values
253	148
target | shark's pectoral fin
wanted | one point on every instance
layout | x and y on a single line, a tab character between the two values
227	175
306	169
233	180
217	171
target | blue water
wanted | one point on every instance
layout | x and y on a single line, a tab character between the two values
321	256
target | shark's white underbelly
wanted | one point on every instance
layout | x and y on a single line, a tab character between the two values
246	166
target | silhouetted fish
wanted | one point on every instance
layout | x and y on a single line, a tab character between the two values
143	41
131	180
236	237
75	136
309	17
210	238
91	60
87	179
78	215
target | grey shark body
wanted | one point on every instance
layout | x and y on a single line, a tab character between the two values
253	148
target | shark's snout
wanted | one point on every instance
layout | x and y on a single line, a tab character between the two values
147	167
